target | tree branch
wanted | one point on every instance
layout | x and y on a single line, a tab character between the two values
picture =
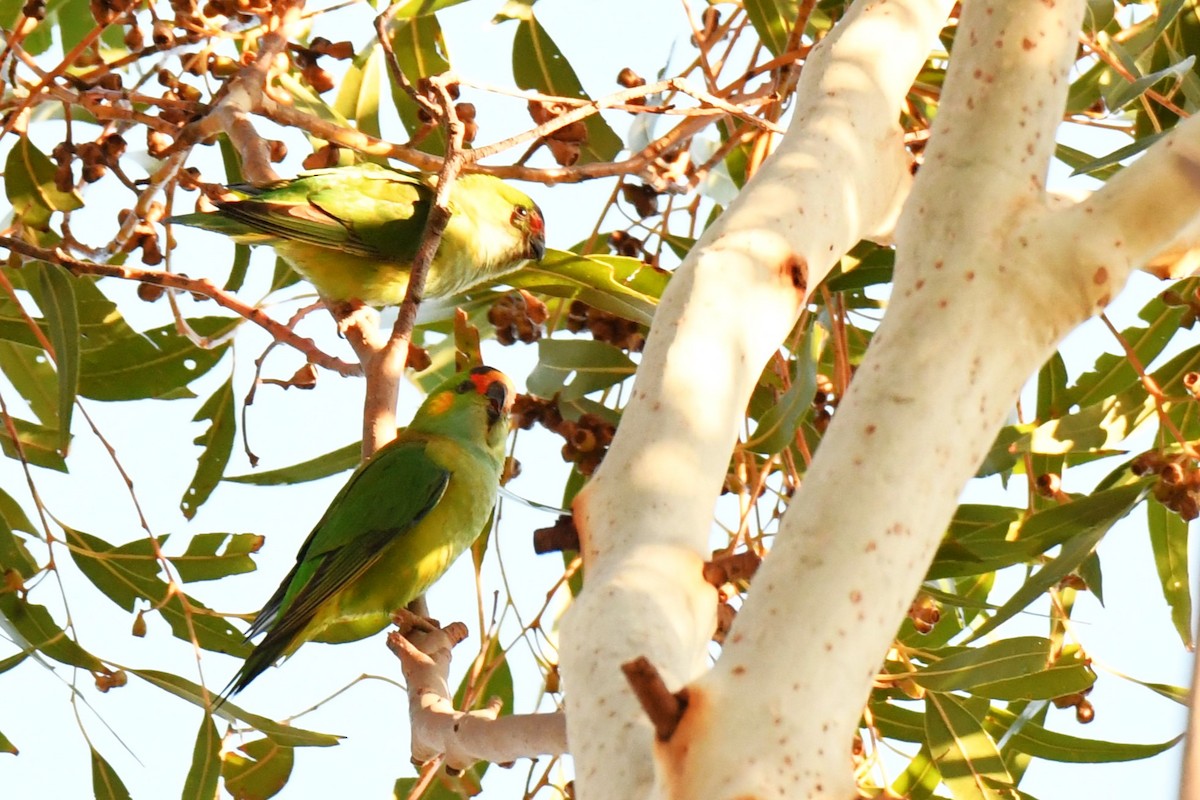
202	286
464	737
385	367
839	174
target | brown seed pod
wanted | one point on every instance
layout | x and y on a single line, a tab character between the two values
629	79
643	199
163	34
149	292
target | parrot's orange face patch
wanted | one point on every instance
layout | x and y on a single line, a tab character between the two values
440	403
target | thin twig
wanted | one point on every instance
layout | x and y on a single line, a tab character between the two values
202	286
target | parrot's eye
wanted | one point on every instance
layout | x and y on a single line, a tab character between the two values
520	211
464	387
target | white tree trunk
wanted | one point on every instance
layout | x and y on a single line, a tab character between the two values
988	279
839	175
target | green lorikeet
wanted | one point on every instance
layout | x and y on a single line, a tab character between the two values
354	231
403	517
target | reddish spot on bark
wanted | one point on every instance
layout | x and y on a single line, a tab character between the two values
1104	300
971	275
870	429
1028	43
871	547
943	303
939	264
920	283
795	269
829	647
739	670
1100	277
856	596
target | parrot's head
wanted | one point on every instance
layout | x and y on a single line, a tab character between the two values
474	404
526	219
508	227
493	385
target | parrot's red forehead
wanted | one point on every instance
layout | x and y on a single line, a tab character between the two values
484	377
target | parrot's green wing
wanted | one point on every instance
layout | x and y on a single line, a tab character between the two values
385	498
373	213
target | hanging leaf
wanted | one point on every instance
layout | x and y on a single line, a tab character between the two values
129	573
29	185
538	64
202	777
1169	542
572	368
106	783
210	556
279	732
57	301
966	756
340	460
217	442
257	770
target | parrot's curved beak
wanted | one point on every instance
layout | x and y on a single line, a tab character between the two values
537	247
500	395
537	234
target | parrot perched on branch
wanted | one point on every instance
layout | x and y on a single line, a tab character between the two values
353	231
403	517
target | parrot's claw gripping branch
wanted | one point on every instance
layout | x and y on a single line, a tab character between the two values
462	737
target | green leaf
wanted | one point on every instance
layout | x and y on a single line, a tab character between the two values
999	661
29	371
420	52
1101	168
538	64
897	722
32	627
202	777
1010	669
499	681
106	783
257	770
619	285
14	554
1052	388
919	780
772	21
358	95
216	555
966	756
279	732
1081	524
128	573
57	301
1169	542
217	442
13	515
1124	93
237	272
987	547
420	8
340	460
1035	740
572	368
156	363
1113	373
6	745
38	443
777	426
29	185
